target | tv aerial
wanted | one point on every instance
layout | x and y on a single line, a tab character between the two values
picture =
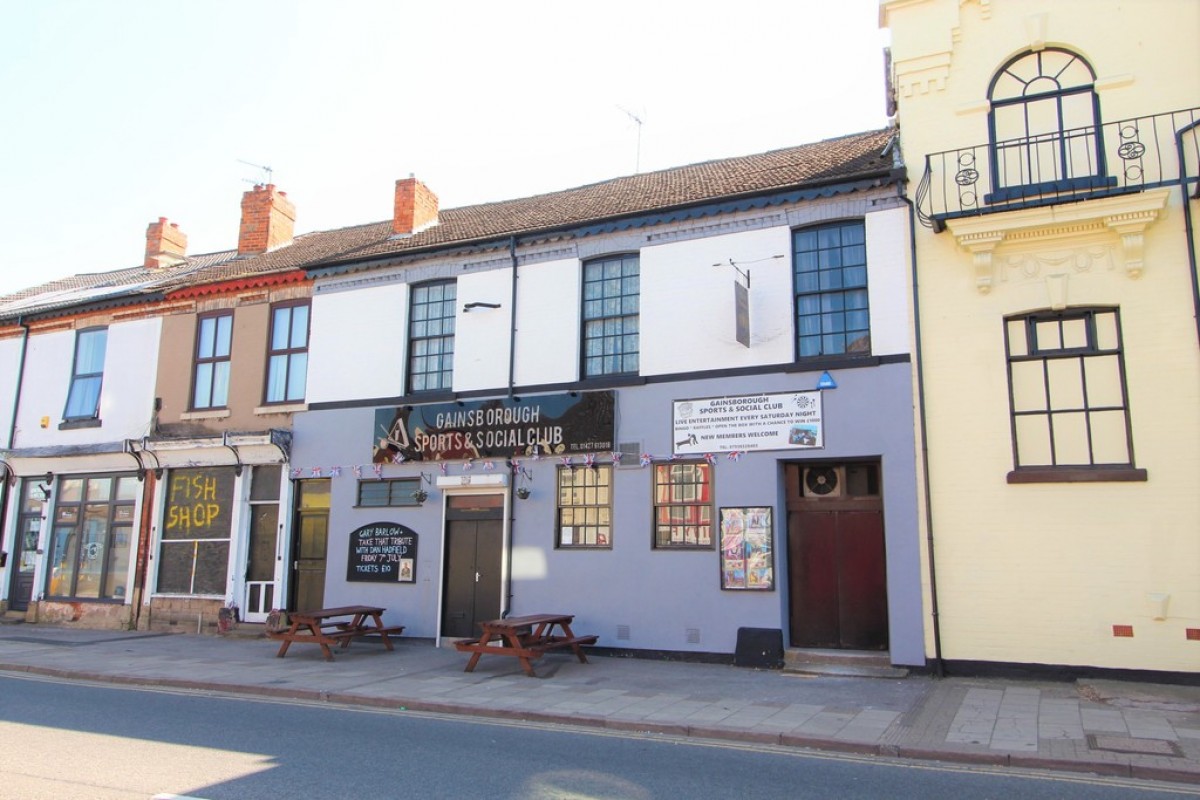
266	173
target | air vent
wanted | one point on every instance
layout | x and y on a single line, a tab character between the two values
623	632
824	482
693	635
631	453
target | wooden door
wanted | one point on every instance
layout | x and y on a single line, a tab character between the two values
473	578
310	545
837	575
25	546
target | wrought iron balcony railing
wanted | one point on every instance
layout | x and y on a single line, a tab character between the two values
1132	155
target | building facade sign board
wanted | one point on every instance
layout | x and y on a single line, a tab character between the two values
789	421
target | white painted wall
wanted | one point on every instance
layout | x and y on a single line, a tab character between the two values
548	322
687	319
10	360
126	396
482	335
357	345
889	282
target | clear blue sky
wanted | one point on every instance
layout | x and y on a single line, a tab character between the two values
117	112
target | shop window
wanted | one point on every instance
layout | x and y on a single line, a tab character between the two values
683	505
584	506
431	336
196	531
92	537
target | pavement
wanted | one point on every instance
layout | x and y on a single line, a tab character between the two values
1116	728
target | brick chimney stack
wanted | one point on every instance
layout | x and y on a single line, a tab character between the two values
416	207
268	219
166	245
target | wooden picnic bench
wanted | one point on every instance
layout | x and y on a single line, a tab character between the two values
527	638
334	626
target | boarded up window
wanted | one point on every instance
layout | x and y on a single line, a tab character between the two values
194	558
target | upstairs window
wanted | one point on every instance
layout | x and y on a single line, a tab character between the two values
830	278
287	359
87	375
611	296
431	337
1044	125
214	335
1067	390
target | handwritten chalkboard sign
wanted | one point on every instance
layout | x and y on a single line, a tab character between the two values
383	551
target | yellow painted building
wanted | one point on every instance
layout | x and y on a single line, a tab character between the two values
1052	160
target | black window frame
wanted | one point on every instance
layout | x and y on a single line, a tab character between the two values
212	361
77	524
820	275
1088	350
79	378
422	339
662	530
399	492
584	500
290	353
618	331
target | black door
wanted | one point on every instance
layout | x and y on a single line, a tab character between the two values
25	545
473	580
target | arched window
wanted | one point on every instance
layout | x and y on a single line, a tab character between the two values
1044	124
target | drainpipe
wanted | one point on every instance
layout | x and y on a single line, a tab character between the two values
939	665
512	371
12	428
1187	221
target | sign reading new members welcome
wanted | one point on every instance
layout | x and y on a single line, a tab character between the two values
790	421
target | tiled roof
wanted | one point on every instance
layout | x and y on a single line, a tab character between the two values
845	159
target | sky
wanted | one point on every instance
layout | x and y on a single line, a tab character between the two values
114	113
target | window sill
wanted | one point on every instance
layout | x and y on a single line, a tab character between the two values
206	414
282	408
1077	475
75	424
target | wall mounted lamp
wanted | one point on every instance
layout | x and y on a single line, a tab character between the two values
48	486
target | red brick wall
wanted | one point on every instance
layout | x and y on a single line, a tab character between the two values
268	219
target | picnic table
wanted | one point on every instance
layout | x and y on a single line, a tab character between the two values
334	626
526	638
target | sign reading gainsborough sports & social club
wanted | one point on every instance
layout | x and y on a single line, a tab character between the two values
549	425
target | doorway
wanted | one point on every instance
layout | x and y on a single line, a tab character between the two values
473	581
25	545
837	568
311	545
263	544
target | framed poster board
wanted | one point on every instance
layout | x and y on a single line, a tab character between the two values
384	552
747	558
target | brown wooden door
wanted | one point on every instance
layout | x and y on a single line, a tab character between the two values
473	579
310	545
837	576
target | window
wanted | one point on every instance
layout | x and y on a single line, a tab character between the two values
287	359
87	374
92	536
830	271
396	492
431	337
585	506
1044	124
1066	377
197	520
213	338
610	316
683	511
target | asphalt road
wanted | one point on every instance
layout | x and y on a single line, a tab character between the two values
92	742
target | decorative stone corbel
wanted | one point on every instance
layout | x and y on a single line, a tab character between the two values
1131	227
981	247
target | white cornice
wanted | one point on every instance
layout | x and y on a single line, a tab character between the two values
1127	216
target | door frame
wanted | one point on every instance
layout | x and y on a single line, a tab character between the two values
455	486
792	474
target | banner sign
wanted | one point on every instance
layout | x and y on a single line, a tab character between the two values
383	551
547	425
790	421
